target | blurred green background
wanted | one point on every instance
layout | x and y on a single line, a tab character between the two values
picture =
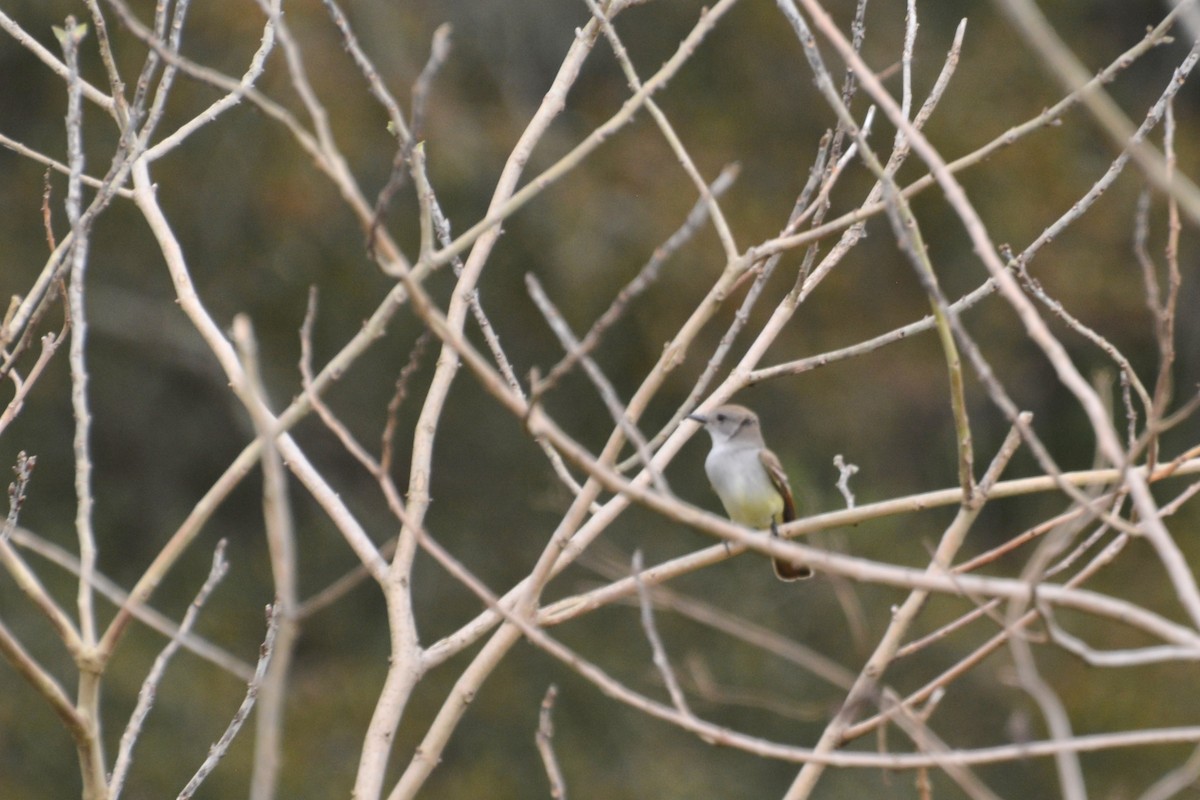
260	225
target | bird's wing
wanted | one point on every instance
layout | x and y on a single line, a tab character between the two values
779	480
785	570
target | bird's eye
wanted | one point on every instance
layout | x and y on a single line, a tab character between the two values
721	417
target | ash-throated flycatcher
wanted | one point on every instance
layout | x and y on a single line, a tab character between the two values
748	477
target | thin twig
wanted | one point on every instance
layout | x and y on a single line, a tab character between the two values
218	750
1176	781
1129	657
1070	772
545	745
604	387
150	685
27	580
281	546
572	607
720	224
153	619
976	657
10	26
307	382
331	503
70	38
845	473
611	565
661	661
499	212
1065	67
374	82
23	469
90	750
908	237
45	684
645	276
1177	569
1051	116
331	164
725	736
438	53
400	391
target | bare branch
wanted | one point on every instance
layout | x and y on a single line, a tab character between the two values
150	685
845	473
153	619
603	386
545	745
1064	67
281	544
661	661
1176	781
218	750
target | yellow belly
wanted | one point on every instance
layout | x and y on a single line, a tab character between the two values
754	509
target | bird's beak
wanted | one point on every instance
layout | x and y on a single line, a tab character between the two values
703	420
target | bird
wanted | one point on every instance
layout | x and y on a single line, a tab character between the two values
748	478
